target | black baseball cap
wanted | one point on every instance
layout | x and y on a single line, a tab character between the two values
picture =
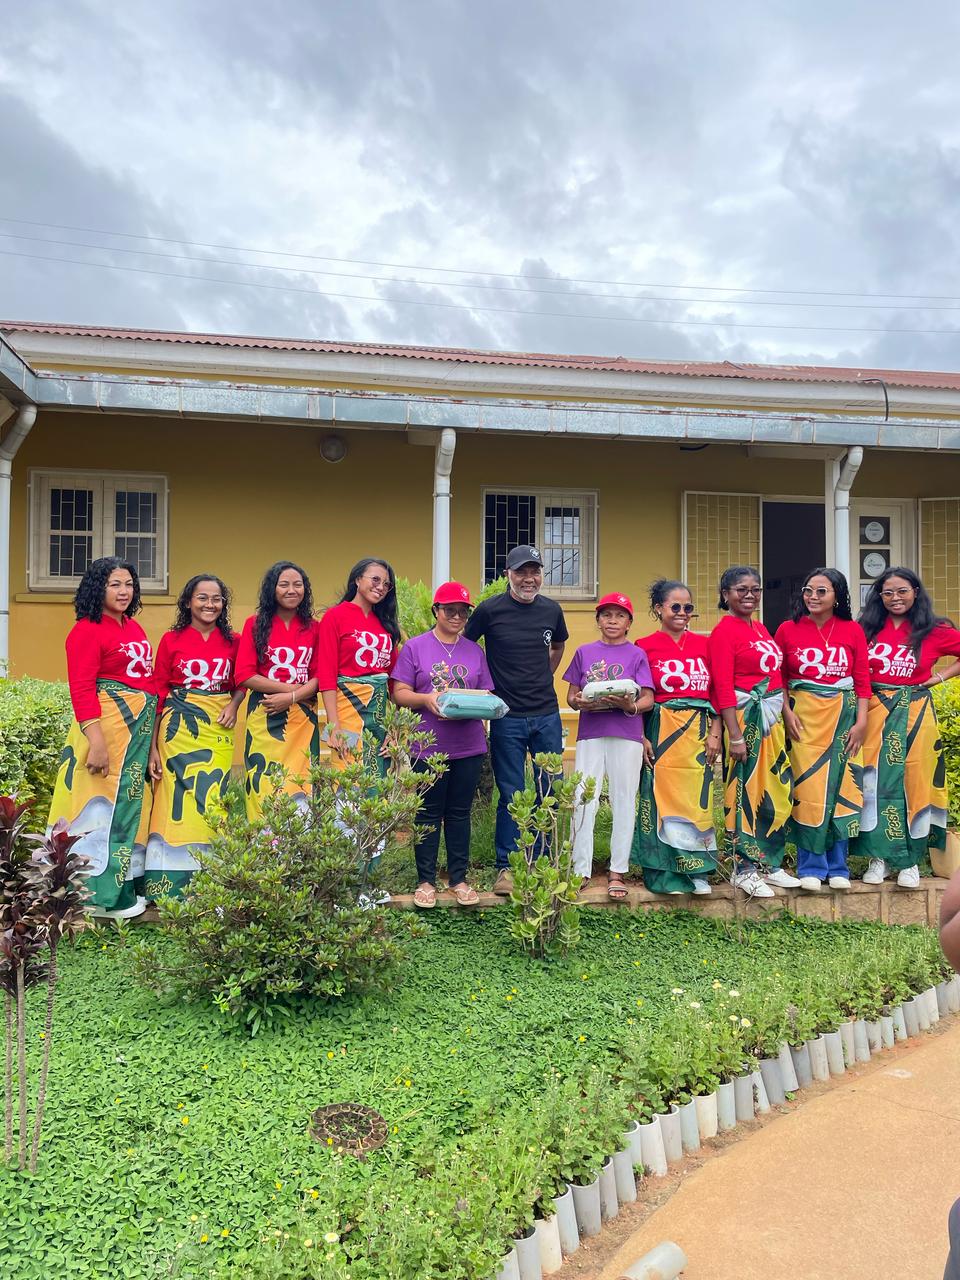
520	556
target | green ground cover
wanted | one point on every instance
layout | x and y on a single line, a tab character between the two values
176	1146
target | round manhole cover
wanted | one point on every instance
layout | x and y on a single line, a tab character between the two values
350	1127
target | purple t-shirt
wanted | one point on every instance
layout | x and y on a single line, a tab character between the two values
599	661
428	666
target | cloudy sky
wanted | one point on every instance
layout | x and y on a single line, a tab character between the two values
746	181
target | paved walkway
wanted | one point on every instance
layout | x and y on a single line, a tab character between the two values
854	1184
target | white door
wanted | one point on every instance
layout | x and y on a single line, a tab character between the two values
881	535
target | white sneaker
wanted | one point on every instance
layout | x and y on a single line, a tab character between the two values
121	913
810	883
876	873
839	882
909	878
701	887
376	898
782	879
753	884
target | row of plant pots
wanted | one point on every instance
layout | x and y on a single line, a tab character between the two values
581	1211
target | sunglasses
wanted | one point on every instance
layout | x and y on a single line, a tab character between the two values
747	591
682	608
819	592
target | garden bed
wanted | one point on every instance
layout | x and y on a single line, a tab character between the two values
175	1145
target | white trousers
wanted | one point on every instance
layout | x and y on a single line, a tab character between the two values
620	761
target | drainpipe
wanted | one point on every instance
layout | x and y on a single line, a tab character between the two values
442	470
8	449
841	510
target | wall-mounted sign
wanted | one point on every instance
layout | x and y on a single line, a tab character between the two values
874	563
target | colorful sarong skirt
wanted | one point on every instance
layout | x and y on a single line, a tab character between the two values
195	757
827	783
361	709
279	749
758	798
674	839
112	811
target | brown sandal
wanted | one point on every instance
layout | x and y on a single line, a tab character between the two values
425	896
465	895
616	888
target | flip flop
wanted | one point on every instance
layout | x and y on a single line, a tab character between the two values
465	895
425	896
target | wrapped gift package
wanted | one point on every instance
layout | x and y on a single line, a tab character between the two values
595	689
459	705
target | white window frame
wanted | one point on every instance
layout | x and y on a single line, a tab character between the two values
104	485
589	502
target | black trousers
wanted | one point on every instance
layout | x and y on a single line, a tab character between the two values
952	1271
447	804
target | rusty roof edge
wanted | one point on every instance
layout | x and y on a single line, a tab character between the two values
347	408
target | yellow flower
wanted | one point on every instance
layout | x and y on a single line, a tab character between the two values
43	1035
204	1239
194	1218
116	1102
308	1244
225	1231
513	990
584	977
278	1185
314	1194
206	1067
453	1051
639	1004
406	1084
473	997
180	1106
331	1237
330	1053
184	1119
329	1142
581	1039
745	1022
395	1129
508	997
617	936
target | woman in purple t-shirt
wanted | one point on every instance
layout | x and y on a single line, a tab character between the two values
429	664
609	735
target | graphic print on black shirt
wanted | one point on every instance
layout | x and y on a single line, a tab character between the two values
518	637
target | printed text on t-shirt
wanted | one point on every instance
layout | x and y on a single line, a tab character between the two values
289	665
893	661
141	660
196	673
369	655
678	675
819	663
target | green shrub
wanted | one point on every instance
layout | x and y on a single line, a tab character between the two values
34	718
281	908
946	699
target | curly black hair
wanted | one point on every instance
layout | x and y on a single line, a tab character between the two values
733	575
660	589
88	601
920	616
385	610
184	616
267	604
841	591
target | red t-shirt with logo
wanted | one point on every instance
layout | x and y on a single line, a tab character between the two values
892	660
740	655
291	656
106	650
677	672
192	661
825	655
352	644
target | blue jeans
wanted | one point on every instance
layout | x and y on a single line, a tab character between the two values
511	739
824	865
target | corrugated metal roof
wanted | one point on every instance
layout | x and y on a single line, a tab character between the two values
535	359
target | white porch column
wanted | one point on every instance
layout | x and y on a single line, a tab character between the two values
846	475
442	471
8	449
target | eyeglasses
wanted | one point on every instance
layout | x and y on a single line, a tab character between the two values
208	599
455	611
748	591
892	593
681	608
377	581
819	592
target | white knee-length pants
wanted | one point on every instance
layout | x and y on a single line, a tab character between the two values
620	761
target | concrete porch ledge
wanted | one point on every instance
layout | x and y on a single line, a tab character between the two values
885	903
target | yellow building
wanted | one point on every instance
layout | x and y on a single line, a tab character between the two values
194	453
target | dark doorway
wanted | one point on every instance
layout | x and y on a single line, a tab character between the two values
794	542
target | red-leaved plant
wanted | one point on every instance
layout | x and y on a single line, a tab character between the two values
41	902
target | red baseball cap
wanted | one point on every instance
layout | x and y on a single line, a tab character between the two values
452	593
617	601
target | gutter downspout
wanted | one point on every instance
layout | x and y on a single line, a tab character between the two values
8	449
442	470
841	509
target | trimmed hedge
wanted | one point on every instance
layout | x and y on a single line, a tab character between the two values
34	718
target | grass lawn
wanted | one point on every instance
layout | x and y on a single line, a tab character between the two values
176	1146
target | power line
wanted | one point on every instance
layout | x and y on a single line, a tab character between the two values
458	306
456	284
501	275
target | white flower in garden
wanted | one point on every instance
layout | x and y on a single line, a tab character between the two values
734	1018
677	991
716	984
733	992
745	1022
694	1004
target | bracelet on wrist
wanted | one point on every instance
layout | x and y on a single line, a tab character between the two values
737	742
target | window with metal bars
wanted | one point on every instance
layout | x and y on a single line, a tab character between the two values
561	524
76	517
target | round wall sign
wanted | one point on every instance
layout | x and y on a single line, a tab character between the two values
874	563
873	531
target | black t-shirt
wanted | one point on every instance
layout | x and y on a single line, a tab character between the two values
518	638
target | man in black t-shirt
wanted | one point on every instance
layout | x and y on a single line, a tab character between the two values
524	633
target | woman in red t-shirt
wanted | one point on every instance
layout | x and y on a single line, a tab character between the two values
904	776
192	750
359	639
745	665
101	784
277	662
825	666
674	840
